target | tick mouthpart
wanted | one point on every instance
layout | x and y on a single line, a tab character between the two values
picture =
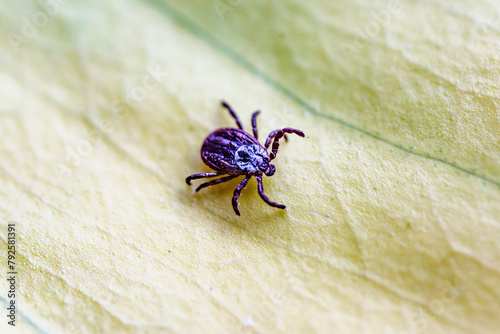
271	169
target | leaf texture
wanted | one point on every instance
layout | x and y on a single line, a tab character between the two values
393	218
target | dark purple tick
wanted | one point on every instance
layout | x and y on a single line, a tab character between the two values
234	152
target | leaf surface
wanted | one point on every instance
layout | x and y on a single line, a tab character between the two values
393	219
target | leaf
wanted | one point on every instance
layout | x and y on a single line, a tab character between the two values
392	221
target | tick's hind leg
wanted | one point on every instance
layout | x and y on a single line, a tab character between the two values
214	182
202	175
237	193
233	113
277	134
263	196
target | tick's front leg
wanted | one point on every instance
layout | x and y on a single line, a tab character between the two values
263	196
277	134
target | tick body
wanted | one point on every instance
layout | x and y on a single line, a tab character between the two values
233	152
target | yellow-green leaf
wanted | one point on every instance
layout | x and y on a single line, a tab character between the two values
393	217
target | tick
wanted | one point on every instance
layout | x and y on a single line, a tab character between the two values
234	152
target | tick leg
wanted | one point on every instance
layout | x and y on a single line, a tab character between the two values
237	193
202	175
263	196
233	113
254	124
277	134
271	135
214	182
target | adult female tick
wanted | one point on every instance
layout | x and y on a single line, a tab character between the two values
234	152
